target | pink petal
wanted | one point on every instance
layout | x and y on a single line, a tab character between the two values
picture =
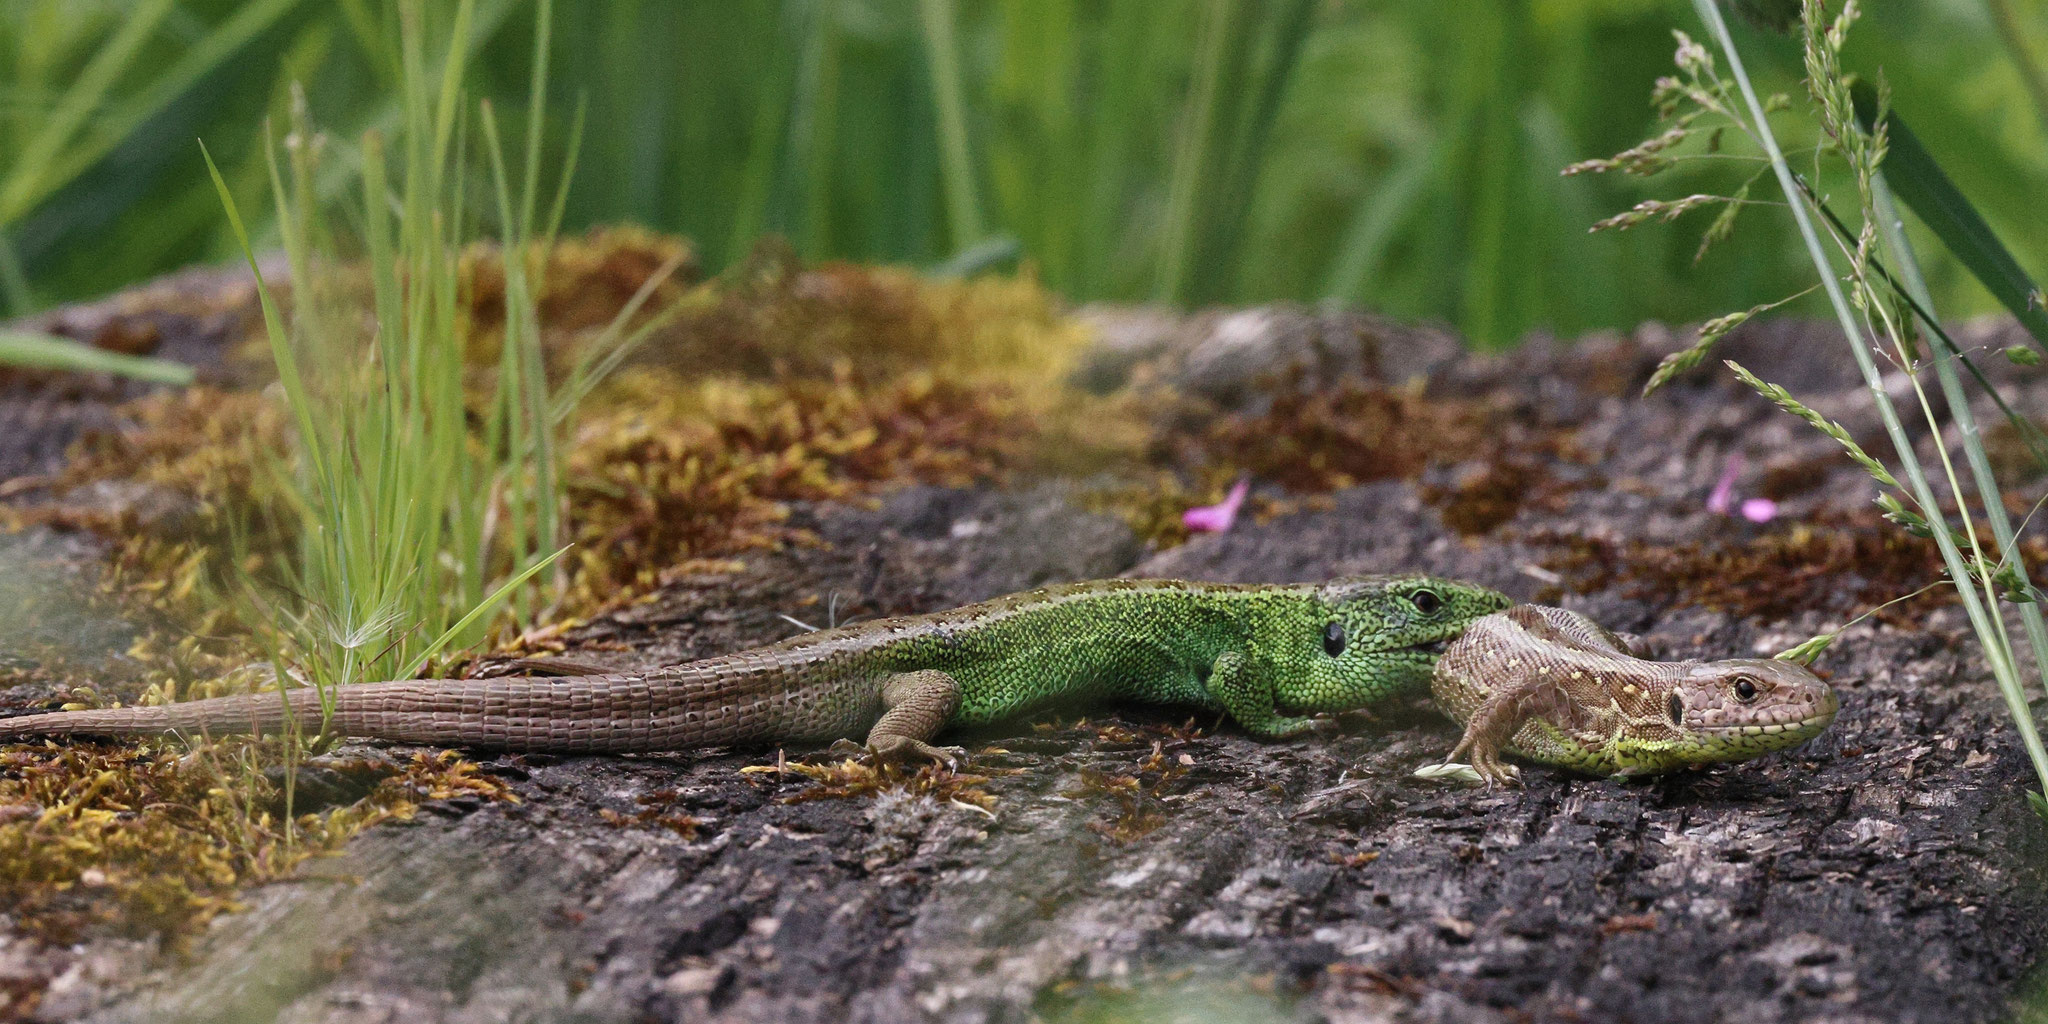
1723	497
1759	510
1218	517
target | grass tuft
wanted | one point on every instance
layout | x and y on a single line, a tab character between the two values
1874	314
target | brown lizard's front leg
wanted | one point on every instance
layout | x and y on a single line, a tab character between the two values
1512	702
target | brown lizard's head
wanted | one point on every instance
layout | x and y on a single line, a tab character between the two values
1741	708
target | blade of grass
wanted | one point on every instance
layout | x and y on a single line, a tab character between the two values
1233	191
48	352
571	153
2030	433
16	297
766	135
612	345
26	177
273	321
1891	232
1191	153
1925	188
1958	569
536	111
476	613
112	126
956	154
981	257
1380	214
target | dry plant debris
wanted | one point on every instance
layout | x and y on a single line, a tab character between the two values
861	777
777	383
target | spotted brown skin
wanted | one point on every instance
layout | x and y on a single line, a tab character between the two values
1553	686
1271	657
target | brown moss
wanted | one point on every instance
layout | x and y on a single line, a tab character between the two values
657	809
1309	442
150	840
199	442
683	471
1482	501
668	464
774	317
1351	858
1836	562
1334	438
587	280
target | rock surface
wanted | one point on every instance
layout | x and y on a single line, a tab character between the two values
1888	871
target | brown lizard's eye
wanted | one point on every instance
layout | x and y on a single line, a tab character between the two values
1745	689
1677	709
1333	639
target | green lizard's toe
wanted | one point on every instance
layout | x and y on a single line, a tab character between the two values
900	749
1283	727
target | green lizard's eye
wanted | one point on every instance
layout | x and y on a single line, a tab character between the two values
1426	601
1333	639
1745	689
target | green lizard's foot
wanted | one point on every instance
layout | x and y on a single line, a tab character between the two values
901	749
1280	727
1248	697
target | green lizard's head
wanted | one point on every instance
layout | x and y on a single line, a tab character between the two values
1381	634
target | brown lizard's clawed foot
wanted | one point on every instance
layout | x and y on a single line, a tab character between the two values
1487	762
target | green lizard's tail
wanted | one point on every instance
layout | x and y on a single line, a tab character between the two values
579	714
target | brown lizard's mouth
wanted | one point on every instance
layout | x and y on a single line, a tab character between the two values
1808	724
1813	723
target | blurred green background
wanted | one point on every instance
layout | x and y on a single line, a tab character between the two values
1397	154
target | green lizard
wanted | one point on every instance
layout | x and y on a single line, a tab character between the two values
1553	686
1268	656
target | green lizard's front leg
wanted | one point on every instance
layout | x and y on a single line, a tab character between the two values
1247	694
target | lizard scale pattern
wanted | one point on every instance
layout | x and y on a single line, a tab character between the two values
1269	656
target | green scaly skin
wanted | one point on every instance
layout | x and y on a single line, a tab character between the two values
1271	657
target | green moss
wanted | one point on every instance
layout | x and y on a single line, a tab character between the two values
147	840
